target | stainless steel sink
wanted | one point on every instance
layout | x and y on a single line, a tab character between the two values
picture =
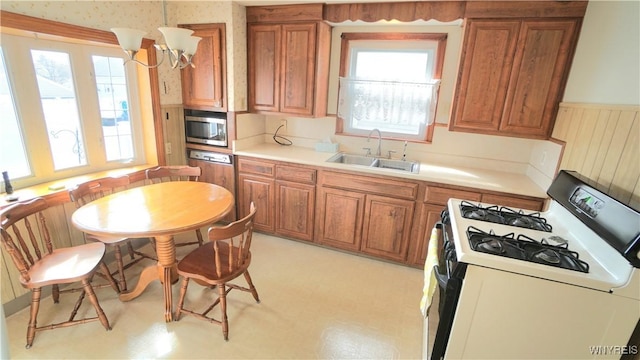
374	162
352	159
410	166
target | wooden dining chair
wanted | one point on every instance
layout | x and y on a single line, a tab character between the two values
216	263
95	189
27	239
177	173
173	173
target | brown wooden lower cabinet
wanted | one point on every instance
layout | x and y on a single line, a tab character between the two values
261	191
355	214
370	224
429	215
386	227
379	216
219	174
510	201
339	218
295	208
284	194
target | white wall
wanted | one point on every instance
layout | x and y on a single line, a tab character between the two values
606	66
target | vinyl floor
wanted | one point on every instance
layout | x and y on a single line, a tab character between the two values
316	303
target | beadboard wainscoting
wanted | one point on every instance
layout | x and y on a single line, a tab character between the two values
602	143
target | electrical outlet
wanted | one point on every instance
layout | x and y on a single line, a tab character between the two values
283	124
167	148
543	158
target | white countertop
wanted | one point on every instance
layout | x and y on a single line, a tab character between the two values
518	184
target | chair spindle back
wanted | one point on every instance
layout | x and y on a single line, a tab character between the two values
98	188
232	244
25	218
173	173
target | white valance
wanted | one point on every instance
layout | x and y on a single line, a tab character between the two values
397	105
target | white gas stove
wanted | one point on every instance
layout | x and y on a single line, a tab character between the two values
563	283
605	269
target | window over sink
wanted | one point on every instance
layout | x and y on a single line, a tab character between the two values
390	82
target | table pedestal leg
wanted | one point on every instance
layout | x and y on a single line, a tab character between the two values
148	275
165	271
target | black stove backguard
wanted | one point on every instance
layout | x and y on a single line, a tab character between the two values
615	222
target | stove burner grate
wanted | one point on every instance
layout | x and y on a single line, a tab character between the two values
504	215
525	248
491	245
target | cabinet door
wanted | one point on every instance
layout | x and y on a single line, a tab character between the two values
219	174
502	200
295	206
261	191
485	67
204	87
339	218
387	227
429	216
539	73
298	68
263	52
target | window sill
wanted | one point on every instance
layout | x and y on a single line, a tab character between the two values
56	192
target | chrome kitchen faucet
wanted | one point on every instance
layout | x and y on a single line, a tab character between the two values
379	151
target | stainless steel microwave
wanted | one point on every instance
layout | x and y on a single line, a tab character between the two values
209	128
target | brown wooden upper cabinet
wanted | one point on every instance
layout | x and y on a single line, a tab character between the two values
512	75
288	51
204	86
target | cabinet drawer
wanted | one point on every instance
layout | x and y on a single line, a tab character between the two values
529	204
385	187
256	167
437	195
296	174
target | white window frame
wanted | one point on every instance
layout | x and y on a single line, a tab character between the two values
353	43
23	84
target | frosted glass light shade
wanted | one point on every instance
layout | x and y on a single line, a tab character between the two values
129	39
176	38
192	45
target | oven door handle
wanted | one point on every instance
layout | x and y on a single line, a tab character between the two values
441	278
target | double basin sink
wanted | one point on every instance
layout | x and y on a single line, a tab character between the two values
375	162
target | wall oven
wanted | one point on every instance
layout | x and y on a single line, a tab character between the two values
206	127
563	283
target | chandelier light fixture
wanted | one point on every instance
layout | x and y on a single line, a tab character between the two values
179	43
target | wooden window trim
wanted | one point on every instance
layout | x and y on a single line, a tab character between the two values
56	28
344	65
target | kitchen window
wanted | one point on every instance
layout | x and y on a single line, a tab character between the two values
13	155
390	82
59	107
67	109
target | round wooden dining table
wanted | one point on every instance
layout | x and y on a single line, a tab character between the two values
159	211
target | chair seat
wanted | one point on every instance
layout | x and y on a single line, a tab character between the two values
65	265
198	264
